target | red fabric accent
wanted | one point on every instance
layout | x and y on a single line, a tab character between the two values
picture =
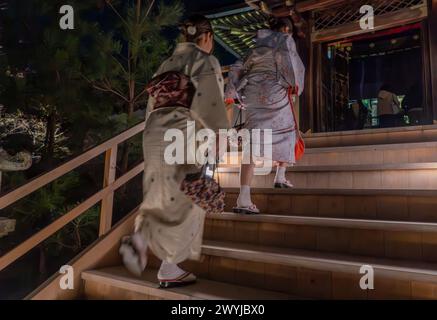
229	101
299	148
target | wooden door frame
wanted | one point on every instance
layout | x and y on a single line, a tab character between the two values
431	55
428	18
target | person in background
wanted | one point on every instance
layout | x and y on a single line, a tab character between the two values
170	224
272	68
356	116
389	108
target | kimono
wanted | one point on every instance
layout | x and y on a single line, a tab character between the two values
170	223
270	70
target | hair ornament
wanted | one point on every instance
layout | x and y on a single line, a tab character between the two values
191	30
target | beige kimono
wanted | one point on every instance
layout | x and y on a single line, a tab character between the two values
170	222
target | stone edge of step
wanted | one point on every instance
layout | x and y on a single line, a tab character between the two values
366	147
422	128
340	192
365	224
194	292
345	168
132	284
323	261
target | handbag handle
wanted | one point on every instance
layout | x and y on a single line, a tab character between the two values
291	92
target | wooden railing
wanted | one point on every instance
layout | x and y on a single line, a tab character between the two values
105	195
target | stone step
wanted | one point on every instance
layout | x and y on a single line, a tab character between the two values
372	137
316	274
384	239
392	205
404	153
118	284
371	176
312	274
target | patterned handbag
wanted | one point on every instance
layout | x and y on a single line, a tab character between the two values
204	190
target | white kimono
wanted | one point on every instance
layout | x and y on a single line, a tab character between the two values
172	225
272	67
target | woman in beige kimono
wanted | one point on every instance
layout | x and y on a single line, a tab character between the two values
169	223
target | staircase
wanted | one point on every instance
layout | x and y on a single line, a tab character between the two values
361	199
352	206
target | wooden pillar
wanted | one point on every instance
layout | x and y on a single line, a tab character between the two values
306	102
432	32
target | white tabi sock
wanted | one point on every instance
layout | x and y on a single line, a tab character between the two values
170	271
280	175
244	200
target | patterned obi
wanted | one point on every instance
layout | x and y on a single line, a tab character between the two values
171	89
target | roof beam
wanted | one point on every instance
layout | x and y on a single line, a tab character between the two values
310	5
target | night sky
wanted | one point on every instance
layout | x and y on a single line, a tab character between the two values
105	18
202	6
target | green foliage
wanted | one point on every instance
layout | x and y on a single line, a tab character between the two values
72	89
41	71
47	203
139	25
77	235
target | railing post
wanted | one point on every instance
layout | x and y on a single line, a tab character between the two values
108	201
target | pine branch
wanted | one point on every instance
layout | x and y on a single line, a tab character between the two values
140	95
150	7
105	88
108	2
119	64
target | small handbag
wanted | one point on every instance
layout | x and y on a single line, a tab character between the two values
204	190
299	148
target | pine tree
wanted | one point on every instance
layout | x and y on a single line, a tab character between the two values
42	66
40	77
132	52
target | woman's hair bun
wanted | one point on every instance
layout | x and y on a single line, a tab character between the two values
194	26
276	23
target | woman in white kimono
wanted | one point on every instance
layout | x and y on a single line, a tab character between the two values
271	69
169	223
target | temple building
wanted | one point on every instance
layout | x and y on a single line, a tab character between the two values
346	64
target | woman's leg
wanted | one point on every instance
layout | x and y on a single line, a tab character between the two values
246	177
281	181
134	253
170	275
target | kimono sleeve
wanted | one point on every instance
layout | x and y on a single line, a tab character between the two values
208	105
290	65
